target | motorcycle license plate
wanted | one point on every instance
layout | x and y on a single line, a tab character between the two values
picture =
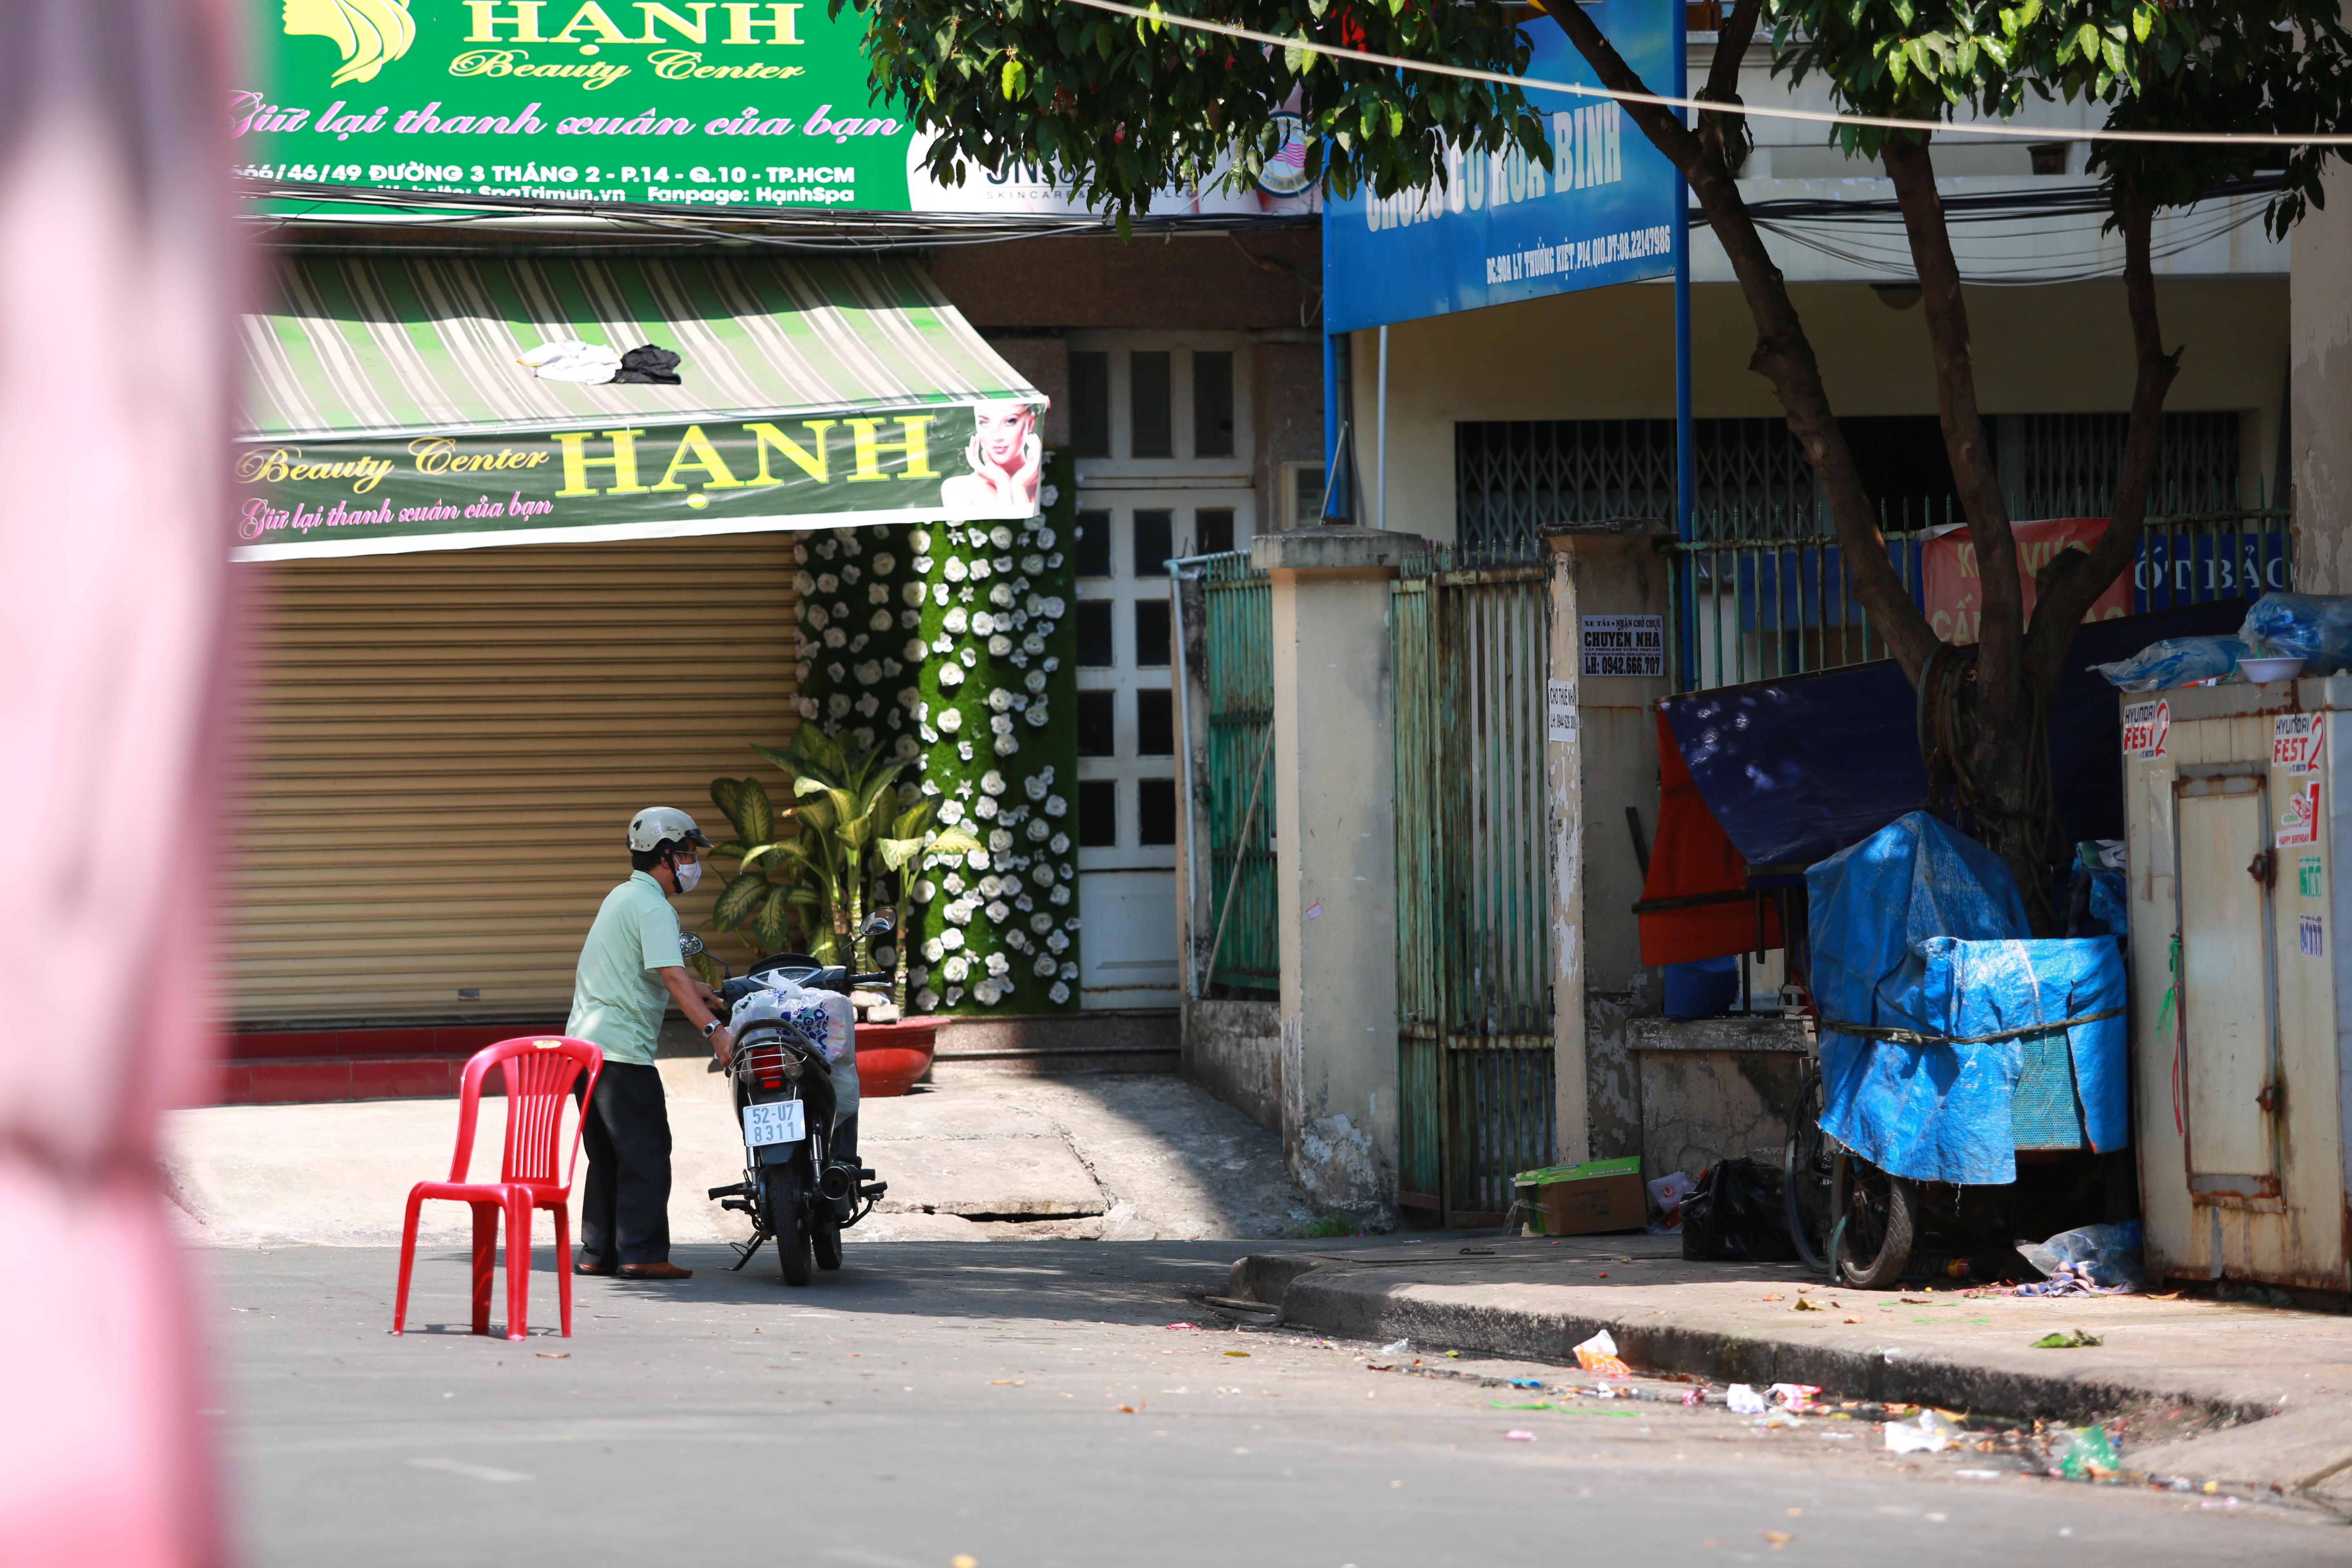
783	1122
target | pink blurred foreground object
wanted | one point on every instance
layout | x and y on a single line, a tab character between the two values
533	1173
118	292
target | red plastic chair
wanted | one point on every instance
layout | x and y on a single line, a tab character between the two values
540	1072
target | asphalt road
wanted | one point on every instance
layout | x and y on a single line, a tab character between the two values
940	1401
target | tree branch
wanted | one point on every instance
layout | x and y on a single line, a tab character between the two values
2073	581
1784	355
2000	629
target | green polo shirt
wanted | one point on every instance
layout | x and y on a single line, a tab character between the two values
617	996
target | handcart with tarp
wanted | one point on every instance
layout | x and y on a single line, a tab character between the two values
1949	1041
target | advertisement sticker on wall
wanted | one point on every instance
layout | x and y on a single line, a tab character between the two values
2146	727
2296	741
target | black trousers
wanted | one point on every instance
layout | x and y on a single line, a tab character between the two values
624	1203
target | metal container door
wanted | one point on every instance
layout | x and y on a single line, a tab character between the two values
2227	1054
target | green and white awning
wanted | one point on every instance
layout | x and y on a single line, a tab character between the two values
387	408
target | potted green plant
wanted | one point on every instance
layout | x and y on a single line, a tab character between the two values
810	873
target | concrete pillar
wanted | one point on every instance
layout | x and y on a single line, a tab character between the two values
1600	755
1333	788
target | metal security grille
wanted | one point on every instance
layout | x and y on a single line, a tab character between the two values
1512	477
534	696
1475	1028
2068	463
1237	612
1759	608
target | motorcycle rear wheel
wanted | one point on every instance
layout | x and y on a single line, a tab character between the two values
826	1244
787	1222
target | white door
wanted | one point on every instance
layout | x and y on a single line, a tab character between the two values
1161	423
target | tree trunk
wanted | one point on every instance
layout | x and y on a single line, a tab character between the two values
1784	355
1995	710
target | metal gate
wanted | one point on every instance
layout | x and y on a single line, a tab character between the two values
1239	942
1473	884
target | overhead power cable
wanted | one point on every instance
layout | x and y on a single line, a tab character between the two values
1873	122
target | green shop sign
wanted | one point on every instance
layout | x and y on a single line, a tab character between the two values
703	104
614	480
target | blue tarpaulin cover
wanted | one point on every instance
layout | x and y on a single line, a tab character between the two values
1799	768
1919	927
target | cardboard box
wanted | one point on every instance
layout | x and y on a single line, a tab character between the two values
1588	1199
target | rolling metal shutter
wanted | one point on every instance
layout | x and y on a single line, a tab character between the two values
443	750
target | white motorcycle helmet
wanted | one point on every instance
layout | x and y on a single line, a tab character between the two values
650	827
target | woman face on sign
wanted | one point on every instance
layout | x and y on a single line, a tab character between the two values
1001	431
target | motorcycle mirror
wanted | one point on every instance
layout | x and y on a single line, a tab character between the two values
690	945
882	922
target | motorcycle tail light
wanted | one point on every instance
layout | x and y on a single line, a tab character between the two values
770	1065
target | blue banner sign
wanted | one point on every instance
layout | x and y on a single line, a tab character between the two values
1603	207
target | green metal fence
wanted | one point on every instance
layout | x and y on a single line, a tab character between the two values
1238	930
1475	1027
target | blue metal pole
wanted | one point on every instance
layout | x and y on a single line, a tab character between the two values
1686	461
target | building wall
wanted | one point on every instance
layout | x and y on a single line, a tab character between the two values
1219	281
2321	437
1024	295
1608	354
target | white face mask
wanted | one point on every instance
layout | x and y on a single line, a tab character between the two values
689	873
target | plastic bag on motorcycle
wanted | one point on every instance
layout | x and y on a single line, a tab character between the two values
827	1018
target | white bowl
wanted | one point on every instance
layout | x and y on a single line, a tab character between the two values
2262	671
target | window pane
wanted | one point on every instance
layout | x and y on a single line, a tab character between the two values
1095	731
1098	812
1212	531
1155	811
1094	649
1090	404
1093	552
1155	542
1151	638
1307	487
1155	724
1212	405
1147	399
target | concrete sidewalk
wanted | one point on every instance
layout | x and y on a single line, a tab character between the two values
982	1157
2255	1396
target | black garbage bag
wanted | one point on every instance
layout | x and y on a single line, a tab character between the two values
648	364
1736	1215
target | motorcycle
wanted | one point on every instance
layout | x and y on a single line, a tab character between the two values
803	1184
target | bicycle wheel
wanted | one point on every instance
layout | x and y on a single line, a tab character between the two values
1876	1216
1806	1175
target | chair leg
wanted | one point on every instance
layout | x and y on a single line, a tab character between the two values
518	1208
563	1266
485	1241
408	1263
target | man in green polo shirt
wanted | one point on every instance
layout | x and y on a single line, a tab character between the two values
630	971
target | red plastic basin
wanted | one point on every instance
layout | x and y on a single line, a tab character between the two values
891	1057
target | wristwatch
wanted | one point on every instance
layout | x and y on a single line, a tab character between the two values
712	1027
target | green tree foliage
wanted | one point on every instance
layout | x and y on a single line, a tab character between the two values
813	872
1123	107
1126	108
2267	66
